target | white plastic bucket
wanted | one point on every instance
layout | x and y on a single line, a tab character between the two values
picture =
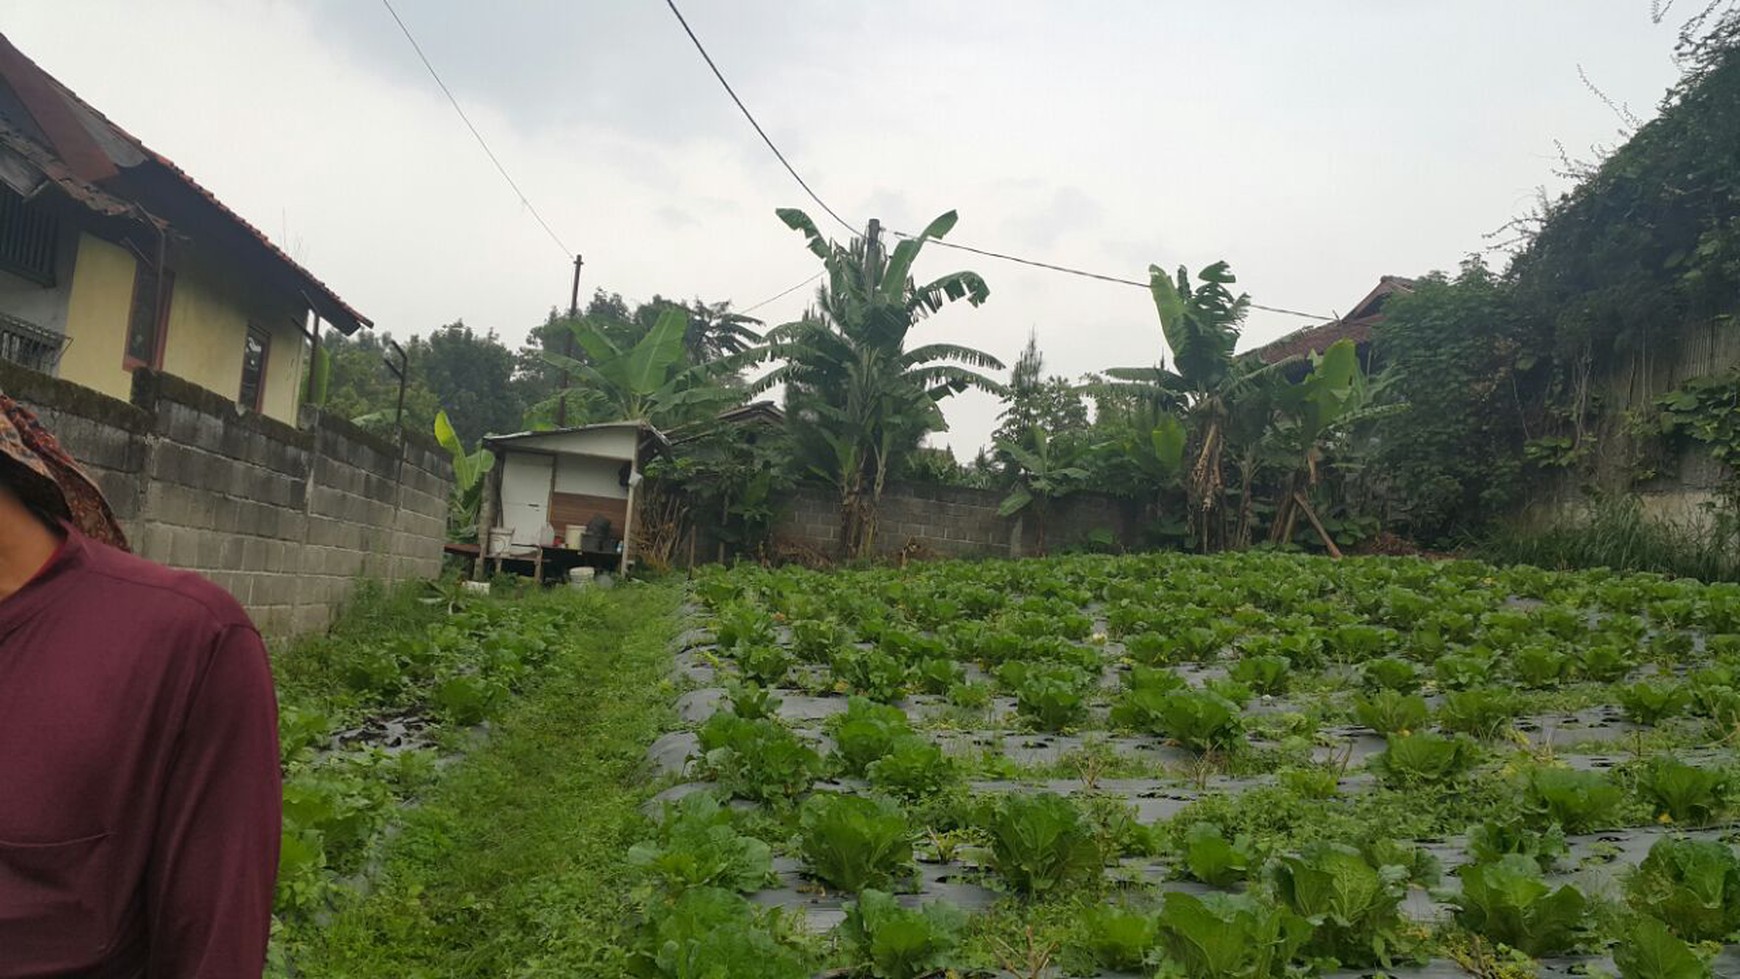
571	536
581	577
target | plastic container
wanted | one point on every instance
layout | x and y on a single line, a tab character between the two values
581	577
571	535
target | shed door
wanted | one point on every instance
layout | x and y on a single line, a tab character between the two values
525	495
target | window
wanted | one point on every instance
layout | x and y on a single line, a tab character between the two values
148	323
254	351
29	234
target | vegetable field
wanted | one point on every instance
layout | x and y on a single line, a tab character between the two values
1234	767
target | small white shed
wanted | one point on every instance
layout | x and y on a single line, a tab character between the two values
568	494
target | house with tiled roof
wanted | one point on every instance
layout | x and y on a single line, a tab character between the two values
1356	326
112	258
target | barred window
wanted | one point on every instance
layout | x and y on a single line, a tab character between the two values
29	234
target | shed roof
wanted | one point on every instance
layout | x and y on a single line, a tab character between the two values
509	440
88	152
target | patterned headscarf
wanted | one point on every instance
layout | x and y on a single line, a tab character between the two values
51	480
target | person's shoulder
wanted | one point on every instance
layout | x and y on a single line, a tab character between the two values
172	593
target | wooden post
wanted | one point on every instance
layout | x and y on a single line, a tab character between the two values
1328	542
622	565
486	519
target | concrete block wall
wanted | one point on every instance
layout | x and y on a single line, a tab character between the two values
287	518
952	521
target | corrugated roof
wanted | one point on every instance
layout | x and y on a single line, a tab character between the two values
1356	325
95	149
572	429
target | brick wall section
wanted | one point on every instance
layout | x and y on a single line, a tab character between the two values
952	521
286	518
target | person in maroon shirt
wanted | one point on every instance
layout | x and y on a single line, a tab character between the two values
139	774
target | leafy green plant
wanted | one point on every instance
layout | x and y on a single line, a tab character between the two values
1390	673
1198	719
1422	757
1540	665
912	769
1684	793
1229	936
1211	858
1498	837
1577	800
817	640
1693	886
1650	951
1459	671
759	759
865	732
1390	711
765	663
1507	901
706	933
1265	674
751	701
1483	712
697	846
469	698
744	625
1647	703
1604	663
939	675
854	842
896	943
1352	904
971	696
1053	696
1118	938
871	673
1040	843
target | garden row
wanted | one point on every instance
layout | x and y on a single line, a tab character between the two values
371	712
1224	766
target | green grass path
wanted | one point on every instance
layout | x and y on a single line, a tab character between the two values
513	864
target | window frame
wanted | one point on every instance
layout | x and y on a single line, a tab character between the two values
255	331
160	331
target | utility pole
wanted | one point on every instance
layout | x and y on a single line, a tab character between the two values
568	343
872	239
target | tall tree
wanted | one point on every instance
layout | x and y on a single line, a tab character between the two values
857	397
471	375
1035	402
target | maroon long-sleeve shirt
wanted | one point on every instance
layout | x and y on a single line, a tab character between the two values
139	780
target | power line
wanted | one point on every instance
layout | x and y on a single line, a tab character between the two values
1089	275
781	295
751	117
853	230
480	140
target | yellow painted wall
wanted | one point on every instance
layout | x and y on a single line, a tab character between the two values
208	322
96	317
209	313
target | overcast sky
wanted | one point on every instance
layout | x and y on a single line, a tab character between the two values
1315	146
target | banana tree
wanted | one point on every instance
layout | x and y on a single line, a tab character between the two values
469	470
651	381
1041	480
1201	325
1335	396
858	397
